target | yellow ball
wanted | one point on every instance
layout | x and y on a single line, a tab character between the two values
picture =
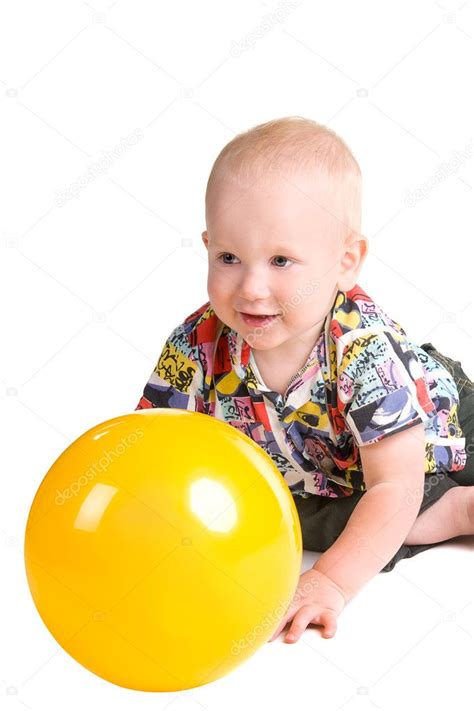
162	549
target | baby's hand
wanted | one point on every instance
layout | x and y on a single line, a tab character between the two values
317	600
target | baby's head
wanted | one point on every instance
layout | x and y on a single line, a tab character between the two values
283	217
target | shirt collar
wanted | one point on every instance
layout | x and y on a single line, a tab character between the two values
343	316
240	354
338	320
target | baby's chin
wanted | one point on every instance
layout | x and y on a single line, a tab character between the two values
263	341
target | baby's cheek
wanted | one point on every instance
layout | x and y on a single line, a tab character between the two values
218	285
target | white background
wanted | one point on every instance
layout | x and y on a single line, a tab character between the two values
93	283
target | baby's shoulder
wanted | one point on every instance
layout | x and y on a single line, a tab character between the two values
359	322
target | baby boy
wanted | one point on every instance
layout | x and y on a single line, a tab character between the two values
294	353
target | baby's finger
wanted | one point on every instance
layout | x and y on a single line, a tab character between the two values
300	622
288	615
326	619
283	623
278	630
329	620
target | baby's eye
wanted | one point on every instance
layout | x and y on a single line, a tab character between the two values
279	256
228	254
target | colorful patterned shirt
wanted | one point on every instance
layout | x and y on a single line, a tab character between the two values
363	380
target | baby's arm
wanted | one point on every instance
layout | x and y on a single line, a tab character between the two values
394	474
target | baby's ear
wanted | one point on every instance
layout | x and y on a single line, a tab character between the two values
205	238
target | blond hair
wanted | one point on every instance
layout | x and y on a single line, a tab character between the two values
290	145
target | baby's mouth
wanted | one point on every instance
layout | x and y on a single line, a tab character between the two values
254	320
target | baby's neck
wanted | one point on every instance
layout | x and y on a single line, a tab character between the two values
277	367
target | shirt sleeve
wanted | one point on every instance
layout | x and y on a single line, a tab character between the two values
381	387
177	379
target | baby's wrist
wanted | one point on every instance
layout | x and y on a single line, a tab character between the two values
330	582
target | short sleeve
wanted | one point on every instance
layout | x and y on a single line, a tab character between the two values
381	387
176	380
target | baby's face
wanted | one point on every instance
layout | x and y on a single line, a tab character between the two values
274	248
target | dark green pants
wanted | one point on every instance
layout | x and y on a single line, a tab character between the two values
323	519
